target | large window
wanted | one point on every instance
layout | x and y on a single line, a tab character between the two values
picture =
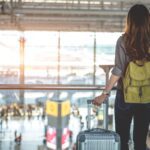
68	57
44	59
55	57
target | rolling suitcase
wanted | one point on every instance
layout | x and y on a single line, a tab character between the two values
97	138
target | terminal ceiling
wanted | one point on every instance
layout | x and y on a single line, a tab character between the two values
65	15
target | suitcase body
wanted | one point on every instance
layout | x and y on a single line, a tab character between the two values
97	138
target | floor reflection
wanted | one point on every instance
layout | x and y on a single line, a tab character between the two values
31	131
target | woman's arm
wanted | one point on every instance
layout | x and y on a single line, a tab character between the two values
100	99
112	81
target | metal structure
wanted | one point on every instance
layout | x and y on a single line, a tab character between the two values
65	15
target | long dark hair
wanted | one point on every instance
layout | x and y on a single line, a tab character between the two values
137	32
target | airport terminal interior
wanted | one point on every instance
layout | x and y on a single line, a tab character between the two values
54	56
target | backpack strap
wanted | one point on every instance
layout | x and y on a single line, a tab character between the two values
140	63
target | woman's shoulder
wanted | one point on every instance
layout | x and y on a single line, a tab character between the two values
121	38
121	41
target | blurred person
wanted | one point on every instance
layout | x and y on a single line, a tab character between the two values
134	44
18	138
74	126
92	120
1	123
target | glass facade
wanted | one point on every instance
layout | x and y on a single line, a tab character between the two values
50	58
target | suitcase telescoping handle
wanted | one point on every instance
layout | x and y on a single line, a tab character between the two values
105	111
89	105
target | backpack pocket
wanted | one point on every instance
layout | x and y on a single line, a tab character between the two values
137	94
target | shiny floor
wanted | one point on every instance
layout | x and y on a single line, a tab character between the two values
32	132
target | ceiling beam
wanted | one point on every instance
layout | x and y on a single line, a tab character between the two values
66	15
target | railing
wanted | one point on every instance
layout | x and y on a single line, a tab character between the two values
48	87
106	69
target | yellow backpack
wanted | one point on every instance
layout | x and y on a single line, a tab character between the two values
136	83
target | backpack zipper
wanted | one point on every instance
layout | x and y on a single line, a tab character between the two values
140	91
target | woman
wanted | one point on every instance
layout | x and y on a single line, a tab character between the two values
134	44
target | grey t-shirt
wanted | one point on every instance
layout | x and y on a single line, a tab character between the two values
121	60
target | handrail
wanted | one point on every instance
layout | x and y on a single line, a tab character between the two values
49	87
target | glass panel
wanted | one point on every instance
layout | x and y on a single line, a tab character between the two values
76	57
9	57
41	51
105	53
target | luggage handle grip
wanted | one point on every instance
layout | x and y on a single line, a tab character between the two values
89	101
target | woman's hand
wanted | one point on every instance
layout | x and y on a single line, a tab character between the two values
99	99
